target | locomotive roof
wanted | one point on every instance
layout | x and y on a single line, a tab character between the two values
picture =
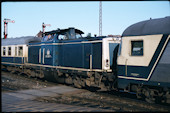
20	40
61	31
149	27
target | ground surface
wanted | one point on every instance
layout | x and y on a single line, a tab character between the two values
113	101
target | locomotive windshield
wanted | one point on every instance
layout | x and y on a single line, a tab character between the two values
78	35
49	37
62	37
62	34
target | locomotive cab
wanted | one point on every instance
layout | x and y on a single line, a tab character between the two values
64	34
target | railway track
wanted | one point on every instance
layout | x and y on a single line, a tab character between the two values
111	100
106	100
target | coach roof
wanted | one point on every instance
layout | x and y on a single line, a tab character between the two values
20	40
149	27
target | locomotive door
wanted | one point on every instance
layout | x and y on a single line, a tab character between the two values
46	55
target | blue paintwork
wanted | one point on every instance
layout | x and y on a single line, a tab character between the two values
18	60
68	55
123	83
33	54
47	60
72	55
111	50
162	71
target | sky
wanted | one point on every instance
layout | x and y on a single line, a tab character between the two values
83	15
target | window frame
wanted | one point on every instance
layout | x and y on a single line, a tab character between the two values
19	53
9	51
132	47
4	48
16	49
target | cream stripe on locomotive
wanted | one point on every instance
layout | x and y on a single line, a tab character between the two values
57	67
67	43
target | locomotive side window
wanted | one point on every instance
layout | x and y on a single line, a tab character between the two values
4	51
9	51
120	47
78	35
20	51
48	38
137	48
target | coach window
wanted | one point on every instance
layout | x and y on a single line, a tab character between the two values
15	51
4	51
9	51
20	51
137	48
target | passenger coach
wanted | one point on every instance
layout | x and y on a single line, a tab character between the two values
14	51
144	58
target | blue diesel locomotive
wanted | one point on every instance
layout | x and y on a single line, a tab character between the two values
139	63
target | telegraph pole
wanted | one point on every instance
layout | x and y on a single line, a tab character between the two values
100	19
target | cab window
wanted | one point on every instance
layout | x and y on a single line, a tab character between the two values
49	37
137	48
78	35
62	37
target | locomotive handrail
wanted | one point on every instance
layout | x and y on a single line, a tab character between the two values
90	62
43	55
40	55
126	67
